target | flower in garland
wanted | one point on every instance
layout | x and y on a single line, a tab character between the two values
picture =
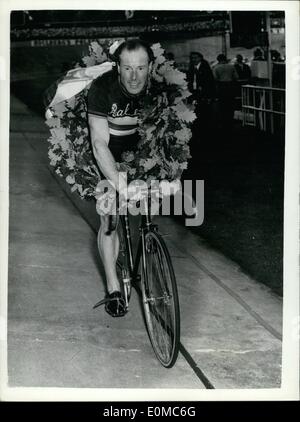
163	126
97	55
54	158
128	156
183	113
157	52
183	135
70	180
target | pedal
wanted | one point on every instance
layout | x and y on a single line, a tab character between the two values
102	302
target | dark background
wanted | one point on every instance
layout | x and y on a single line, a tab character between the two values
243	170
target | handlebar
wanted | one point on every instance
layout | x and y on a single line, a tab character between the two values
136	194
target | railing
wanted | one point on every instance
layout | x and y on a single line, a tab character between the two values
263	107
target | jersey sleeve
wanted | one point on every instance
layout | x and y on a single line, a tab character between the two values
97	100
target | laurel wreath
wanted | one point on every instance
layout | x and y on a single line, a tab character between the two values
163	127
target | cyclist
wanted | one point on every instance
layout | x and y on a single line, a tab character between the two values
114	101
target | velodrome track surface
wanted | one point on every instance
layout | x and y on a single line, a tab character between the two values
231	325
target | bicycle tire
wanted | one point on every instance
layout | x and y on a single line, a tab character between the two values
160	300
123	271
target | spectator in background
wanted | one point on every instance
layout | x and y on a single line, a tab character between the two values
275	56
259	68
244	76
202	86
171	58
242	69
278	69
226	78
200	77
258	55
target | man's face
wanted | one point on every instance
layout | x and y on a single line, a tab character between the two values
195	59
134	69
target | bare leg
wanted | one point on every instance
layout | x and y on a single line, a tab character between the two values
108	246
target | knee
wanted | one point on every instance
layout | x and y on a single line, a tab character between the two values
104	220
104	226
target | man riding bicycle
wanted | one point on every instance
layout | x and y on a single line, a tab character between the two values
114	101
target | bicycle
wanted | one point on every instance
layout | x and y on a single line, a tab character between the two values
153	269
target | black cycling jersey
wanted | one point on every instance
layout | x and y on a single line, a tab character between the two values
108	99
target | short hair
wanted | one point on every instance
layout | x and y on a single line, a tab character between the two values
197	54
258	52
131	45
170	55
221	58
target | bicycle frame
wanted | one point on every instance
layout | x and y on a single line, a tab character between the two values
159	294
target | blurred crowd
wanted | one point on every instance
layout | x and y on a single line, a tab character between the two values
96	32
216	88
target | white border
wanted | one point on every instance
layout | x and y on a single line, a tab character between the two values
290	376
290	360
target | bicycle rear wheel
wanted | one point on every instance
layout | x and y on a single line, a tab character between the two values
160	300
123	261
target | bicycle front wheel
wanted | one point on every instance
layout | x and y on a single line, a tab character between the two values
160	300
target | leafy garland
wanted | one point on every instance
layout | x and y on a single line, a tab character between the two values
163	126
